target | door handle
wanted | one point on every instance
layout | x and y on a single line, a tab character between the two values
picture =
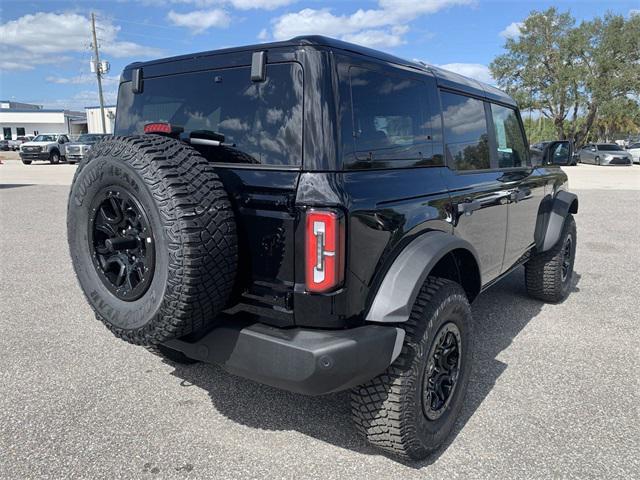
469	206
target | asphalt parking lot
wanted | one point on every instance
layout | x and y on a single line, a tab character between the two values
554	394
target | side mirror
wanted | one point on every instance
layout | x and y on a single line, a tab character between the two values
558	153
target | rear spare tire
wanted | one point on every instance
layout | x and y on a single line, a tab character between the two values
152	238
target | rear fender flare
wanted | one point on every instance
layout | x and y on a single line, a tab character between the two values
551	218
397	293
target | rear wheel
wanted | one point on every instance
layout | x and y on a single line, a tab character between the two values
54	157
548	274
152	238
411	408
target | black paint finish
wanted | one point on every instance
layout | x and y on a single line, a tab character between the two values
386	203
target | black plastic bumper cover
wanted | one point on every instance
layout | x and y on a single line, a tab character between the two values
311	362
34	156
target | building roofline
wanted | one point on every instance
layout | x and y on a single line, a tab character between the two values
98	106
43	110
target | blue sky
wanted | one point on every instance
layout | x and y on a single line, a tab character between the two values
45	45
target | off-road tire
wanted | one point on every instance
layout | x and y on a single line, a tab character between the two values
170	354
388	410
26	162
54	157
544	271
193	229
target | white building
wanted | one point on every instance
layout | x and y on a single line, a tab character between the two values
19	119
94	122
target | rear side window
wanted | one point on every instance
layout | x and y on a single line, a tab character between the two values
389	123
261	121
465	132
510	142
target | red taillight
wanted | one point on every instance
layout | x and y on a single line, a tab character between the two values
324	255
158	127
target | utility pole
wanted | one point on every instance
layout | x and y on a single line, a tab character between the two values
98	72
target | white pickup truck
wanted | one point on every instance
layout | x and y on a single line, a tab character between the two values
46	146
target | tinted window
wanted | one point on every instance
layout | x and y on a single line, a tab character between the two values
389	118
609	147
261	121
90	138
510	142
45	138
465	132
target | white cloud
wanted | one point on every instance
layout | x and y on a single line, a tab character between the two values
263	35
383	26
43	38
237	4
259	4
512	30
379	38
200	20
83	80
83	98
471	70
634	11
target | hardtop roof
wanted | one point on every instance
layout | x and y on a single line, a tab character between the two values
445	78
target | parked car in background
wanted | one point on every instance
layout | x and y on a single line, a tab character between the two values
15	144
78	149
634	150
605	154
4	145
46	146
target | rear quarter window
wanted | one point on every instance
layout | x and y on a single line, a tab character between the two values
261	121
390	121
466	135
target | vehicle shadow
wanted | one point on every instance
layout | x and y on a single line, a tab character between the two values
500	314
4	186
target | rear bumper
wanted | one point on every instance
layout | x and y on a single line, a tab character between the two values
307	361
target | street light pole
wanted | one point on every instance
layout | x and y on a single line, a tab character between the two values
98	73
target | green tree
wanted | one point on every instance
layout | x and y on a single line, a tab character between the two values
570	73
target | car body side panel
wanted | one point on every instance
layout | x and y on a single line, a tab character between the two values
380	222
528	191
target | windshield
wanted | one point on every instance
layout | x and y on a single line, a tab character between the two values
635	145
45	138
609	147
89	138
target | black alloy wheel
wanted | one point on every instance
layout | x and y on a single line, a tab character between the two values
121	243
442	371
567	252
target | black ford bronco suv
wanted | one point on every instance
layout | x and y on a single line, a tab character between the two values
318	216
